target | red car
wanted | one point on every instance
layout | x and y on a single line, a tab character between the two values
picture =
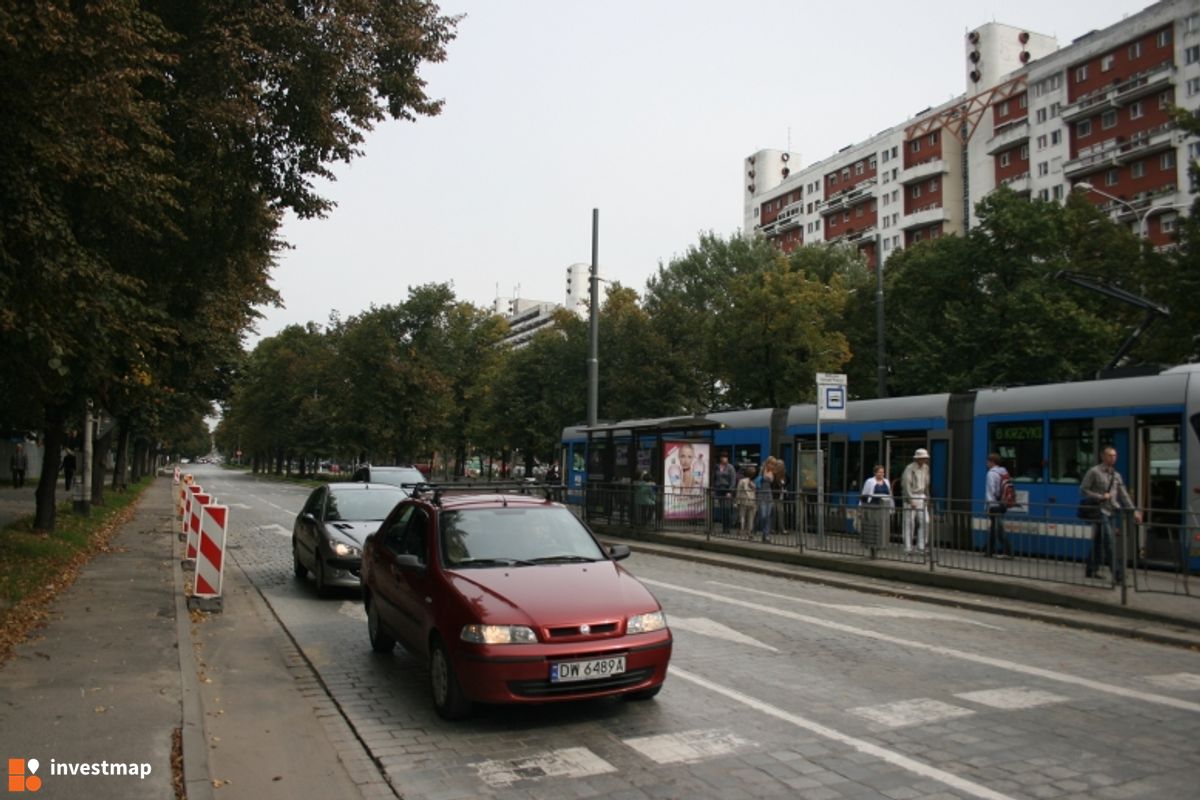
511	599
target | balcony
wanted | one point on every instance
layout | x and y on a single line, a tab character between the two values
1121	91
1008	136
1121	150
926	169
921	217
848	198
1090	104
1018	183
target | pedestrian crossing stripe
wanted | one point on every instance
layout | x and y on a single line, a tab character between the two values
688	747
919	711
572	762
1017	697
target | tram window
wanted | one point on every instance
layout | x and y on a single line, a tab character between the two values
746	455
1020	445
870	458
837	467
854	466
1072	450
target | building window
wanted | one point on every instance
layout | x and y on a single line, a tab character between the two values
1193	87
1136	111
1167	161
1164	99
887	223
1044	194
1055	137
1083	128
1107	62
1137	169
885	156
895	151
933	184
859	168
1168	223
1005	159
916	236
833	180
1108	119
1043	168
886	199
1041	142
1192	54
1041	115
1023	101
1002	109
1024	152
858	211
915	146
1055	108
1058	192
1192	24
933	138
873	163
1135	51
845	173
886	176
1164	38
845	216
916	190
1112	177
1081	74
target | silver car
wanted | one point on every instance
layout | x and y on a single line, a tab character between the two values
329	531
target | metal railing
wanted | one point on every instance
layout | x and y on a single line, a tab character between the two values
1039	543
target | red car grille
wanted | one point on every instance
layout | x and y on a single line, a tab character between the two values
595	631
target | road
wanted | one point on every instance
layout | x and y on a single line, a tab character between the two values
777	689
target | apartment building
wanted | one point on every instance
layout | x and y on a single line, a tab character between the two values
1043	120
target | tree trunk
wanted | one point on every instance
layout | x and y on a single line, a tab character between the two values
52	445
118	482
139	459
100	450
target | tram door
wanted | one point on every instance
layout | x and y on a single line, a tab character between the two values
898	454
1161	492
1118	432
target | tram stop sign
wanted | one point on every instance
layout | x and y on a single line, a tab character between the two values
831	395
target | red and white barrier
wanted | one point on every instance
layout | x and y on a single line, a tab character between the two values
195	505
210	563
187	490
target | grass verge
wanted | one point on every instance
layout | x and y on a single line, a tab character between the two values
35	566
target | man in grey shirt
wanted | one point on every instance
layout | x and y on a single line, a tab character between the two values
1103	483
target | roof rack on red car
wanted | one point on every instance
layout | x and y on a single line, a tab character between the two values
525	487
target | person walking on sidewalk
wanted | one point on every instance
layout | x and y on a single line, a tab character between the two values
997	542
915	482
1103	483
68	468
17	465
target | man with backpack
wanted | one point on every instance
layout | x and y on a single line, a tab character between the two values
1000	496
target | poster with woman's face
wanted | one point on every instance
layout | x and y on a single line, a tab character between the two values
685	479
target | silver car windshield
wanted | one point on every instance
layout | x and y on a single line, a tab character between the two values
489	537
361	504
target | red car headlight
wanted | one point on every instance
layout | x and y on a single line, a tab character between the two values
646	623
498	634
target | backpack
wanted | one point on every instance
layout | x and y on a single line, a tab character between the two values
1007	496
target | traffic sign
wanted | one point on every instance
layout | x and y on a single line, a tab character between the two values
831	395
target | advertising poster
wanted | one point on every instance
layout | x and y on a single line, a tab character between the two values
685	478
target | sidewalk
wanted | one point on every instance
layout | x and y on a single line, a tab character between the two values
120	666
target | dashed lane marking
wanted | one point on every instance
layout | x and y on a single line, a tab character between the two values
975	658
573	762
890	756
688	747
708	627
884	612
1016	697
910	712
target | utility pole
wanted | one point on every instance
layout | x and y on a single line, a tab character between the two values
881	349
594	343
83	492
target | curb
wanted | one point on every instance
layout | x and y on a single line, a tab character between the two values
960	592
197	781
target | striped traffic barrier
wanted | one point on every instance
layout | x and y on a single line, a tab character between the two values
189	489
195	505
181	497
210	560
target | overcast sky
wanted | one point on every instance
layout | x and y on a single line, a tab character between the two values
643	109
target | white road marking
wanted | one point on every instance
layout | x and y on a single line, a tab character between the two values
976	658
353	610
573	762
238	505
892	612
1183	681
273	528
911	712
890	756
1012	698
688	747
708	627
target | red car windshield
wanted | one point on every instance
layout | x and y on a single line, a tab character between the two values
490	537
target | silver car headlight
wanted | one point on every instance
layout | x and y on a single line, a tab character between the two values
343	549
646	623
498	634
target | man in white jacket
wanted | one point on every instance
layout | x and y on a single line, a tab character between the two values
915	482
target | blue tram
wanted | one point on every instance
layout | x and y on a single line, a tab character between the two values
1048	435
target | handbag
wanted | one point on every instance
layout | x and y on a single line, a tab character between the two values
1089	507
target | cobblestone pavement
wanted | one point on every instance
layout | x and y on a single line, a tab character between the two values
777	689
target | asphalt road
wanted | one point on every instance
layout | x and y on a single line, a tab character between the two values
777	689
